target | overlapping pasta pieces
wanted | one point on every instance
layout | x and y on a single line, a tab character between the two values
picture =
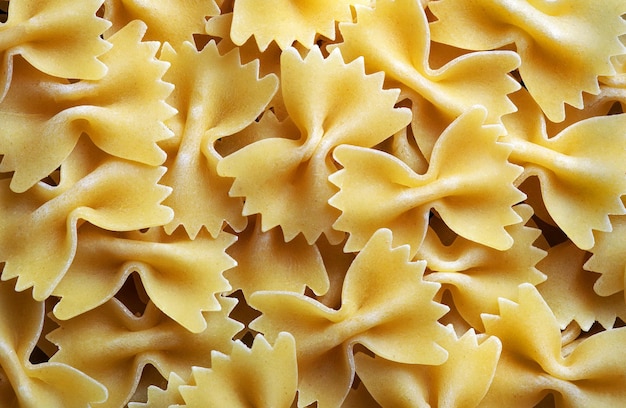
59	38
394	38
286	21
532	364
180	275
386	306
581	169
122	113
215	97
27	384
462	381
285	179
469	182
608	258
112	345
564	45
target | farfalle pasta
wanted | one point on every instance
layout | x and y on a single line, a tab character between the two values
350	204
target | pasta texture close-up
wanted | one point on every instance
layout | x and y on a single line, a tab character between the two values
300	204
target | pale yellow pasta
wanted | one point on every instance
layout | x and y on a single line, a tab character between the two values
285	179
473	190
91	342
163	398
577	36
404	330
566	276
608	259
215	97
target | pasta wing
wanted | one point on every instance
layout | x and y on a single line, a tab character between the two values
158	398
122	113
58	37
21	322
181	276
608	259
278	172
564	45
216	96
402	330
91	342
469	182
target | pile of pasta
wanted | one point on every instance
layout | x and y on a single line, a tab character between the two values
354	203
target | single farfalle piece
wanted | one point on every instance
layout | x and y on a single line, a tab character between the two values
163	398
57	385
533	364
393	37
477	275
264	375
581	170
286	21
92	342
122	113
608	258
469	182
564	45
58	37
462	381
569	290
39	236
180	275
216	96
386	306
167	20
285	179
266	262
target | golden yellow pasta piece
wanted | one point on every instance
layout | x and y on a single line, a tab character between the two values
608	258
167	20
92	342
158	398
122	113
58	37
386	306
394	38
569	290
581	169
58	385
477	275
564	45
286	21
469	182
181	276
266	262
215	97
532	363
262	376
284	179
462	381
38	241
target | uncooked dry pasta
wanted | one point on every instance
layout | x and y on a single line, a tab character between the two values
380	203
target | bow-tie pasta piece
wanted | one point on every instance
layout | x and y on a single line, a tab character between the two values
386	306
469	182
331	103
286	21
181	276
564	45
39	238
569	290
477	275
394	38
167	20
122	113
532	363
31	385
462	381
216	96
581	169
608	258
58	37
112	345
163	398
